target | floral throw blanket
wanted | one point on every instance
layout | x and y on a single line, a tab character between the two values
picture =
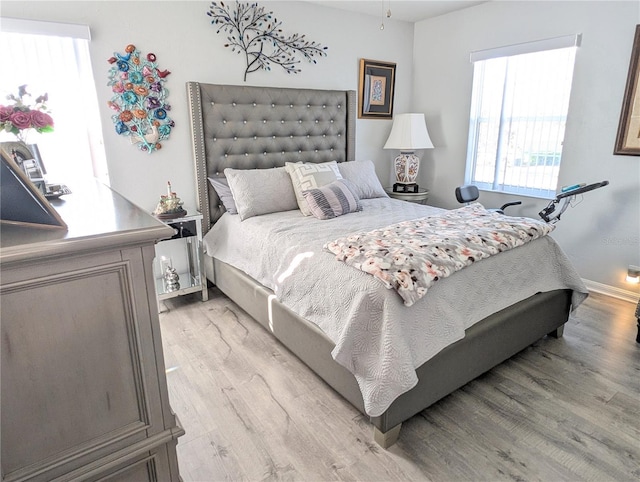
412	255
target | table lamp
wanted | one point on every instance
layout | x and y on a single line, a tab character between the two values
408	133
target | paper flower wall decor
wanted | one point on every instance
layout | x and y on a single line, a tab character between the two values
139	99
258	34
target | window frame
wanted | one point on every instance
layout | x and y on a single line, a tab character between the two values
498	185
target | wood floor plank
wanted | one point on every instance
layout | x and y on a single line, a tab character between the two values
547	426
562	409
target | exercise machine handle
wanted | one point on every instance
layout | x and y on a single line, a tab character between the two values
581	190
552	215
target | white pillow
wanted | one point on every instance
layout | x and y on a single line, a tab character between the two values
363	175
261	191
305	176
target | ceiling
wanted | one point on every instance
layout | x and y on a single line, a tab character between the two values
407	10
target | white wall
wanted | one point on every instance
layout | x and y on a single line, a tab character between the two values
185	42
602	234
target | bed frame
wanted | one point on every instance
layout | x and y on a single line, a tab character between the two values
258	127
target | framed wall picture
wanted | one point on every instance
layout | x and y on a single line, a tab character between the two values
376	88
628	138
21	202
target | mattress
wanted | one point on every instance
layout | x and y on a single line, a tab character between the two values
377	338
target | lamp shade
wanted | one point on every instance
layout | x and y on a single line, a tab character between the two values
409	132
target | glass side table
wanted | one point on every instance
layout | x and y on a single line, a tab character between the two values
178	267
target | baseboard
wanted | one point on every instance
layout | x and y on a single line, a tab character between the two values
619	293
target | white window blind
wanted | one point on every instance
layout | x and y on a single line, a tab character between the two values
518	115
54	58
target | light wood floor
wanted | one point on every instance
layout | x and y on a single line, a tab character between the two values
565	409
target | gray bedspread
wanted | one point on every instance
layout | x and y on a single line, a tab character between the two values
379	339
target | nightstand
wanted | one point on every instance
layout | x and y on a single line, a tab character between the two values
419	197
183	252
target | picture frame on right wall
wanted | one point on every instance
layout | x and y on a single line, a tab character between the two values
628	138
376	89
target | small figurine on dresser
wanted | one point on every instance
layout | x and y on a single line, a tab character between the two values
170	205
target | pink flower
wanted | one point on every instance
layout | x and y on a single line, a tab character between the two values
40	119
22	116
5	113
22	120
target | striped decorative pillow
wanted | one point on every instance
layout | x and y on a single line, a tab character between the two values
333	199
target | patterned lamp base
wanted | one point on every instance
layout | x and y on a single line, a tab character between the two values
406	168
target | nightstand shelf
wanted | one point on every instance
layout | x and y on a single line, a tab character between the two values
184	252
419	197
188	284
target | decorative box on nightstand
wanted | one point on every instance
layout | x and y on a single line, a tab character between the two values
182	254
419	197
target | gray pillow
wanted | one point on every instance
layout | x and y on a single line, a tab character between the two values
261	191
363	175
221	186
332	200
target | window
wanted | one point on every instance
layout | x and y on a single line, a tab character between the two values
54	58
518	115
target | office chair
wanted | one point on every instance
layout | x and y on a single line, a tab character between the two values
469	193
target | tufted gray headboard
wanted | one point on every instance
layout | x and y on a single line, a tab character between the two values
261	127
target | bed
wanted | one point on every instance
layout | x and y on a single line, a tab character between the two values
255	129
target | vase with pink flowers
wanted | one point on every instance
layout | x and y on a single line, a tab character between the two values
19	117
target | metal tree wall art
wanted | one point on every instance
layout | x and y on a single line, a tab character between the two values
258	34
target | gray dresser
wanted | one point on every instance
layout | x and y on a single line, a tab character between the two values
83	386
